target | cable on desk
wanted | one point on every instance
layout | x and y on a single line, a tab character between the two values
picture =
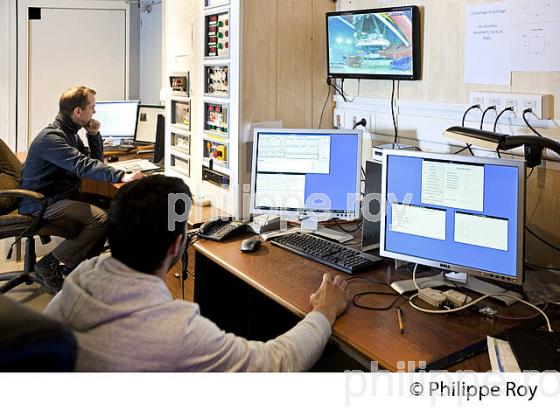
504	317
357	296
474	302
358	227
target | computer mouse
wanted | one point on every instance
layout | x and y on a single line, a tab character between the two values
250	245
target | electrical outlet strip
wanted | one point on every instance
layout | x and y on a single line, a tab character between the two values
541	104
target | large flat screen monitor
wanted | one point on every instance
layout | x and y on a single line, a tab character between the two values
309	174
117	118
146	123
374	44
464	214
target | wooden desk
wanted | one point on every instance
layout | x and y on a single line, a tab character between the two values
288	280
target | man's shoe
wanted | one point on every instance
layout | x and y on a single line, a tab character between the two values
50	275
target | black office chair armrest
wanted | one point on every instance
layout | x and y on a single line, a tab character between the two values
23	193
34	196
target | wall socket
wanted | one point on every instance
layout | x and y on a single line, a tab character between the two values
541	104
339	118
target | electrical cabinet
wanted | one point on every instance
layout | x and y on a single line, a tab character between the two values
244	62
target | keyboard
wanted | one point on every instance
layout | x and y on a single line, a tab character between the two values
134	165
328	253
121	148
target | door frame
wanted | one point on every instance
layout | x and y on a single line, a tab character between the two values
22	109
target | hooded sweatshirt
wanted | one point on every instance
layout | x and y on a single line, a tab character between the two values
125	320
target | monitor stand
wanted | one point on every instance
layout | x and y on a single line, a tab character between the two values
457	278
310	224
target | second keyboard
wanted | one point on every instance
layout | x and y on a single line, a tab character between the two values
323	251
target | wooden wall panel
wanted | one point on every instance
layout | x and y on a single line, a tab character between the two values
319	65
294	62
259	60
543	215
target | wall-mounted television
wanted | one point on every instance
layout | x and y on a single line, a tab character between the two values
374	44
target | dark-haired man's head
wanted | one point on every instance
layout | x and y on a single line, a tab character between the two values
138	231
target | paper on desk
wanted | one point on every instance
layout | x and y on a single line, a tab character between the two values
487	44
502	358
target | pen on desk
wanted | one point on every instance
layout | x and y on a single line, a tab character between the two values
400	318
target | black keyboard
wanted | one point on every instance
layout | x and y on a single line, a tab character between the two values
332	254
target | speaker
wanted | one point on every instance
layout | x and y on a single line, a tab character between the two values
371	210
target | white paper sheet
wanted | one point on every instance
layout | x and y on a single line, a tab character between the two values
487	44
535	36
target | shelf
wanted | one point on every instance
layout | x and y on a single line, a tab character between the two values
178	152
179	98
216	136
216	167
179	129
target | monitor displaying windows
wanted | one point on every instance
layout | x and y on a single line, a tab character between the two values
374	44
117	118
465	214
306	173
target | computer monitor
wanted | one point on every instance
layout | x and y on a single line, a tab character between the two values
312	175
117	118
146	123
456	213
374	44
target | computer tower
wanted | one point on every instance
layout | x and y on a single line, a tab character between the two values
371	208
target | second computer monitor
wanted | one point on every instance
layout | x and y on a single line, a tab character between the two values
307	174
117	118
465	214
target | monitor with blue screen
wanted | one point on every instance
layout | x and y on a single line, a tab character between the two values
310	174
465	214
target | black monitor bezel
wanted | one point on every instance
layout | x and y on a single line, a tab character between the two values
416	45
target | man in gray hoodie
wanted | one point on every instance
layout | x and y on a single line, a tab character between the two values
125	319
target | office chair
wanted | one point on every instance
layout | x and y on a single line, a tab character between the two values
30	341
17	226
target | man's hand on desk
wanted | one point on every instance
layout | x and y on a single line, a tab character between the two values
332	298
131	177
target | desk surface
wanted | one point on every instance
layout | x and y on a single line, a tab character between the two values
289	280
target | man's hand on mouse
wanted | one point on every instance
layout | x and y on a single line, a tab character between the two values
332	297
131	177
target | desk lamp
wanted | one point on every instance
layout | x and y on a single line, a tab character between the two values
534	145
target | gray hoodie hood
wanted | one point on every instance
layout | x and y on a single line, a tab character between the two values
103	289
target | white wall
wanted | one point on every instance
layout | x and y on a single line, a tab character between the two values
151	57
7	72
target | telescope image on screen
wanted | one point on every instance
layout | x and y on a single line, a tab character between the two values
373	44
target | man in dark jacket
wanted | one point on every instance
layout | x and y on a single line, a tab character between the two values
56	161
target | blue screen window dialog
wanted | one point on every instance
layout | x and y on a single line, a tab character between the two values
460	213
